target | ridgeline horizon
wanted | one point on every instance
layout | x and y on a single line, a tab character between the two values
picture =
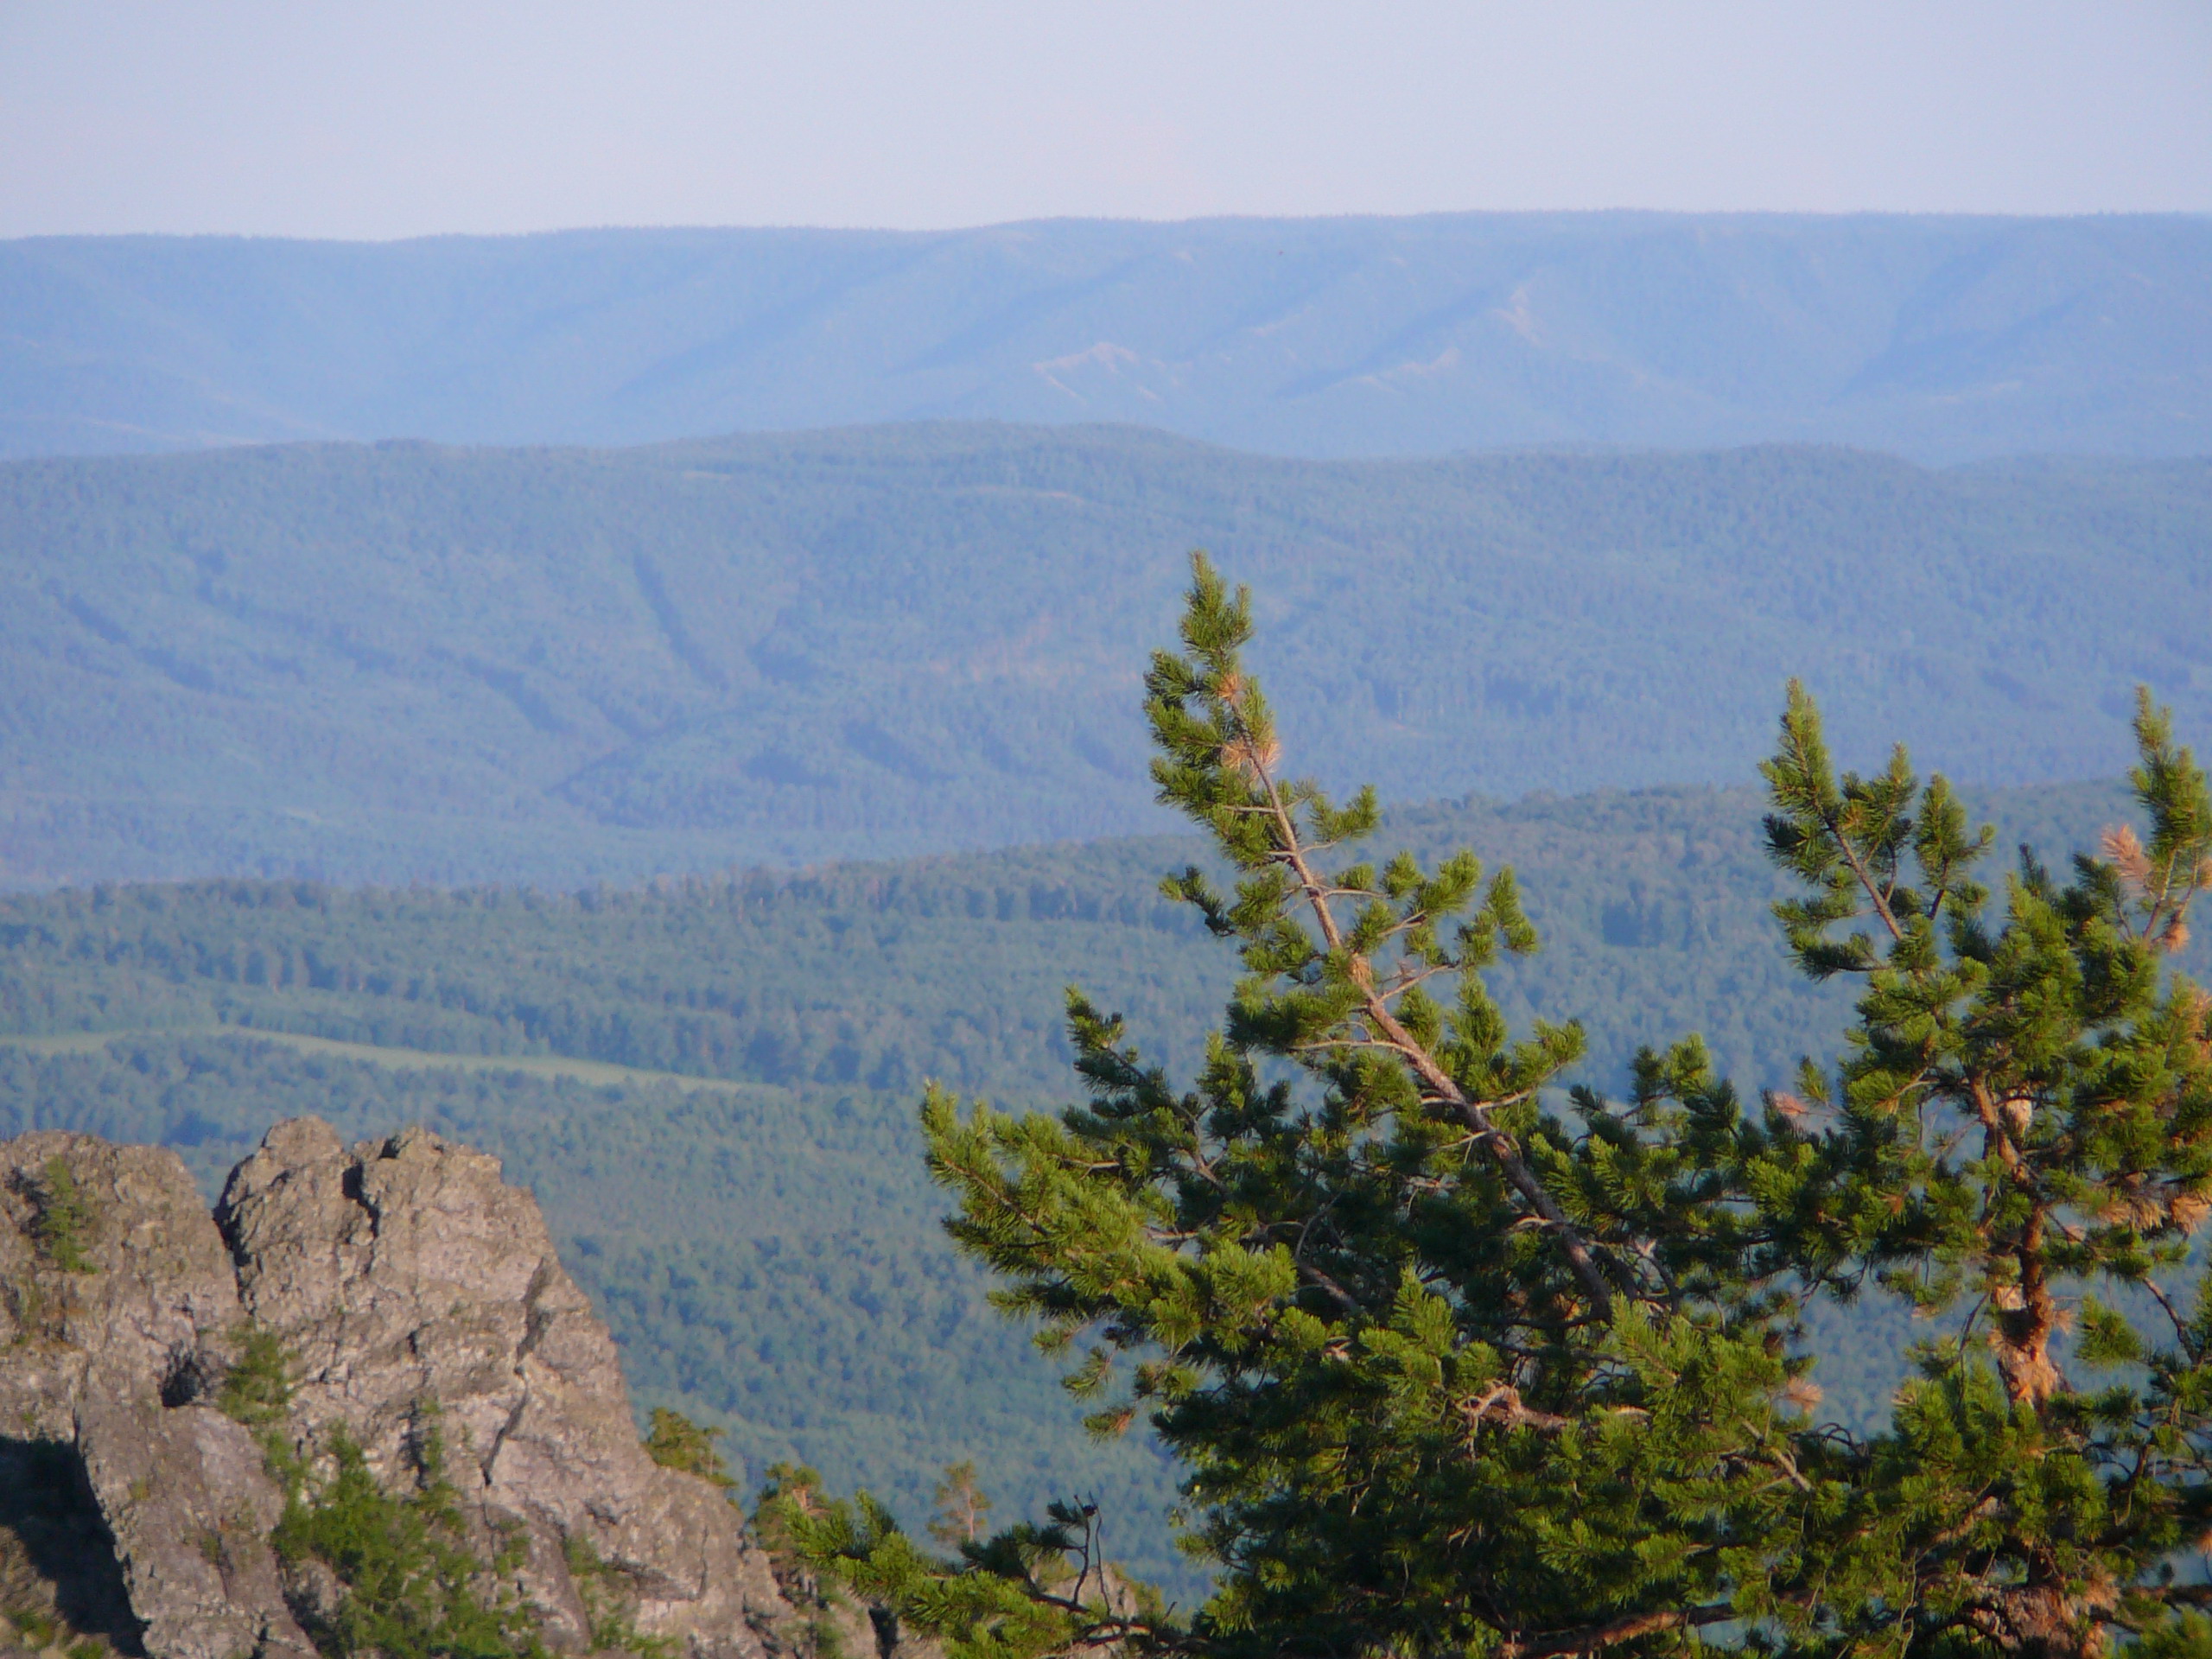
1938	337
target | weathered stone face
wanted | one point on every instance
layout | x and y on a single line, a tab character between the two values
161	1296
145	1314
416	1294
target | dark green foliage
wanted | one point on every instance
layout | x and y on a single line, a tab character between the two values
1030	1589
2017	1139
257	1389
1444	1369
674	1441
412	1588
64	1218
1449	1370
406	663
792	1491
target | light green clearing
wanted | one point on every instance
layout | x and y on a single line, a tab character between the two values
601	1072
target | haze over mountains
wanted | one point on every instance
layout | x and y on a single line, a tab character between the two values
1941	339
404	662
408	649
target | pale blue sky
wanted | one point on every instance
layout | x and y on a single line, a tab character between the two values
313	118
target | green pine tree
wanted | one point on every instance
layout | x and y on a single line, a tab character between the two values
2020	1141
1457	1362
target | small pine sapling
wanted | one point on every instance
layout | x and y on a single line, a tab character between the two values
962	1508
257	1389
674	1441
64	1221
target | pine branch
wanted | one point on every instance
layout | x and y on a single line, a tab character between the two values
1592	1638
1440	1086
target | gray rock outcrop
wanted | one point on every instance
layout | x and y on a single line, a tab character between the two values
425	1319
107	1346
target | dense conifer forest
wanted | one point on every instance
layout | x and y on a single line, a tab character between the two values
712	1083
403	662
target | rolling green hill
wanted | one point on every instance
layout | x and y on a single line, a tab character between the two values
712	1084
406	663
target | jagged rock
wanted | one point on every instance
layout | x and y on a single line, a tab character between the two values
427	1320
157	1309
185	1497
110	1359
407	1271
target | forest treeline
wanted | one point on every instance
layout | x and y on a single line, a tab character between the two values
766	1247
1655	903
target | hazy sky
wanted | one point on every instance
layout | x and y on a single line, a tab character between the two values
398	117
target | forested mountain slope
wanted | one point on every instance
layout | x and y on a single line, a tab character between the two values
403	662
1943	338
766	1246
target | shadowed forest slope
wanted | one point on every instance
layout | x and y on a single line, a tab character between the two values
406	663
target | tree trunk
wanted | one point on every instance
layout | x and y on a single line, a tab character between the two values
2041	1621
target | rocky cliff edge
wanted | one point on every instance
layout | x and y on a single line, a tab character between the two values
181	1395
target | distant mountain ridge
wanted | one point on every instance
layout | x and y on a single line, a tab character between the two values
1939	338
404	662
